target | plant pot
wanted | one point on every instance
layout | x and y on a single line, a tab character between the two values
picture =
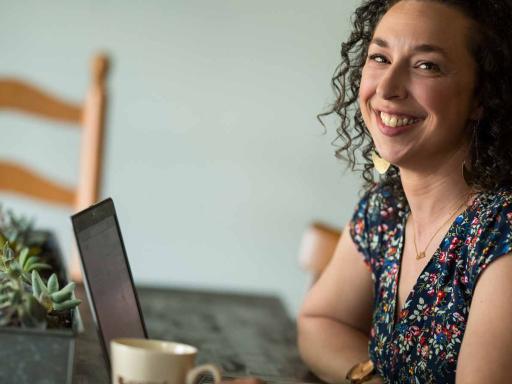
40	356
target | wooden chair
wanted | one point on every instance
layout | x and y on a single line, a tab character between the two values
20	96
317	248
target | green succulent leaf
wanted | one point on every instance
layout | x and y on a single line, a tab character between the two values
23	256
27	278
68	304
29	262
8	252
38	267
38	286
46	301
14	270
64	294
52	284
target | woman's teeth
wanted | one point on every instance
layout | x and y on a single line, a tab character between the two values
397	121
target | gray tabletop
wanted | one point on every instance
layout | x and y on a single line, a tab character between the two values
224	326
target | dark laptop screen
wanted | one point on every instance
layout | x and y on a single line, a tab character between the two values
107	273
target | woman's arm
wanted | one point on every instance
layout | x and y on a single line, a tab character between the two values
335	320
486	350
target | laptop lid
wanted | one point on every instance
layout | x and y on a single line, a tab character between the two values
108	279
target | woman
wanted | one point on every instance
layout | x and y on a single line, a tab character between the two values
419	290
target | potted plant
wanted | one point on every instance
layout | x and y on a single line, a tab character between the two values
38	315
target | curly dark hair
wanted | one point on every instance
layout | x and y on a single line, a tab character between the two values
490	153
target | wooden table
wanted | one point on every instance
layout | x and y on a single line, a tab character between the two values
193	317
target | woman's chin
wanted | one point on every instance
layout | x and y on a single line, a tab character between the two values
392	157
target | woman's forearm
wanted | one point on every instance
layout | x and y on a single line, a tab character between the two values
330	348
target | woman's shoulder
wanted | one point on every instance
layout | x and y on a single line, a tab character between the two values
380	209
490	206
376	218
382	201
488	233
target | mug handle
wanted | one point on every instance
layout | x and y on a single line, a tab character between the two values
202	369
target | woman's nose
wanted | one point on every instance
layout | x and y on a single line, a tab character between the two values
392	84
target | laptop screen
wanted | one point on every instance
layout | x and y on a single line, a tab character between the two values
107	274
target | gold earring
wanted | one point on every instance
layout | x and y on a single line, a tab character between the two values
380	164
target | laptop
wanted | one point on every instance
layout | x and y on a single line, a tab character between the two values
117	312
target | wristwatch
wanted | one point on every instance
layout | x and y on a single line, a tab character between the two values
361	372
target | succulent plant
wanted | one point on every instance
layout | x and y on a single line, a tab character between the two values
49	295
17	304
21	264
25	299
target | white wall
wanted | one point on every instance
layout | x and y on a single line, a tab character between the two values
214	156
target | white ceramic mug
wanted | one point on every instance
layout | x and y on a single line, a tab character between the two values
146	361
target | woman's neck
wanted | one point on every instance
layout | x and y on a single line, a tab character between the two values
434	193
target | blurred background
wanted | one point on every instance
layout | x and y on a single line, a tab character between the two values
213	154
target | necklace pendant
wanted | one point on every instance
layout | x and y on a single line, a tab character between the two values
420	255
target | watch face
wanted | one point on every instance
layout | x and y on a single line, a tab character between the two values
361	371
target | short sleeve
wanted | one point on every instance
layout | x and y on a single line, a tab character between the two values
359	226
373	219
375	224
491	239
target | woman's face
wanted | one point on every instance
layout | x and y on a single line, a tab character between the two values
417	86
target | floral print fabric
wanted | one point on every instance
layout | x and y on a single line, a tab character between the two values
423	344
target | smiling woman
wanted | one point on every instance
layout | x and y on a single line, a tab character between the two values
423	88
425	80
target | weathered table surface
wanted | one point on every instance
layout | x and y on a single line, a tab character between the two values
194	317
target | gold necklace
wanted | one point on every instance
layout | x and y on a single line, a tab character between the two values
421	255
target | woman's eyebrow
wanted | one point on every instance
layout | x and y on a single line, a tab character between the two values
422	48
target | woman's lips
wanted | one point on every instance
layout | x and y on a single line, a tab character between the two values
393	131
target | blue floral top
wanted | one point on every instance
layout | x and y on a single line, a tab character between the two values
424	343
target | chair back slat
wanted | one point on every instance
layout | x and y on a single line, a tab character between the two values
20	180
22	97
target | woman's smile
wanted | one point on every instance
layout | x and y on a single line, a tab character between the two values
395	123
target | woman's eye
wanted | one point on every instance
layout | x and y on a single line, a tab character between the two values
378	58
428	66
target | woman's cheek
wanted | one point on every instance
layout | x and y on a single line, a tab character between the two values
366	91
